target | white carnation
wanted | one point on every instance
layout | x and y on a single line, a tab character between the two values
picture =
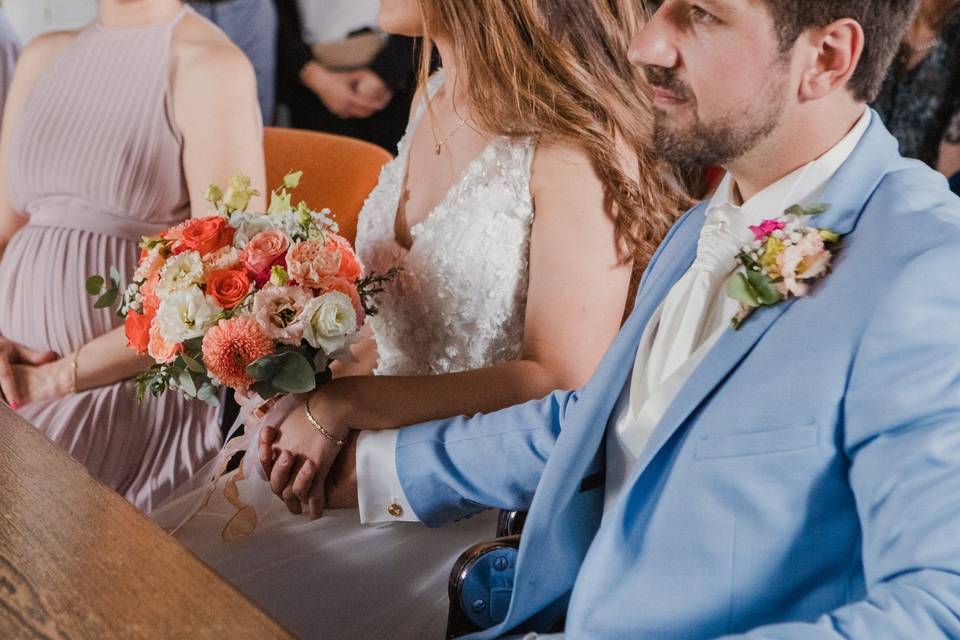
180	272
329	321
185	314
248	225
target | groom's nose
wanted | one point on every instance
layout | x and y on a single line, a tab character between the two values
653	44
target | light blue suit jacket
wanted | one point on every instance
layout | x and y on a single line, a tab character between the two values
805	483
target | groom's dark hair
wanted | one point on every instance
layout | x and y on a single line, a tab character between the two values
884	24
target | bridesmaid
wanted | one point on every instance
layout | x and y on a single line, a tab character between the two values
111	133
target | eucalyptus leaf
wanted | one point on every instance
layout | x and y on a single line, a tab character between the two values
209	394
265	368
107	299
764	288
816	208
115	276
740	290
295	374
187	384
191	363
94	285
265	389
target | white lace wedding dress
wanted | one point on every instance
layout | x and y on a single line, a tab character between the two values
457	305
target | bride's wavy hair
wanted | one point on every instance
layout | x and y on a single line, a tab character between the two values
557	71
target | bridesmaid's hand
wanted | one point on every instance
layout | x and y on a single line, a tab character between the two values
19	371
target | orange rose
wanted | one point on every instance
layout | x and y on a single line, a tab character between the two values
161	350
205	235
137	328
228	287
350	267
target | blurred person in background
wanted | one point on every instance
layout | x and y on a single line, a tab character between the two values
31	18
252	25
920	100
338	74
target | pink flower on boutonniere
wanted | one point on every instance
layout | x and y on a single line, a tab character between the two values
766	228
786	257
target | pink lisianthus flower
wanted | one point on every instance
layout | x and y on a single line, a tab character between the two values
278	309
805	260
765	228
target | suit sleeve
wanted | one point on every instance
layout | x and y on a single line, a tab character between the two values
450	469
292	52
902	438
396	64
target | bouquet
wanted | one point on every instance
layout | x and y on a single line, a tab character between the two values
260	301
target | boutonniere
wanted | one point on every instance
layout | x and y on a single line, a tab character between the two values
785	258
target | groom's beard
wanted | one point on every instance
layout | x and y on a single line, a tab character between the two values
726	138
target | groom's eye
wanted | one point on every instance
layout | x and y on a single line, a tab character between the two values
699	15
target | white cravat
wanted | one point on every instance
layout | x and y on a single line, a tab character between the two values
697	311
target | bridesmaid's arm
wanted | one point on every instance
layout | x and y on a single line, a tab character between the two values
216	111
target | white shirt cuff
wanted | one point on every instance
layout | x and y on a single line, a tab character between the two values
379	492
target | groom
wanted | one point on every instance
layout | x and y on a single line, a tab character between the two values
797	478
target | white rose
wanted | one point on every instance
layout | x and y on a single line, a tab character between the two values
185	314
180	273
329	321
248	225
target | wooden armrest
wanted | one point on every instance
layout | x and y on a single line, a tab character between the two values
481	584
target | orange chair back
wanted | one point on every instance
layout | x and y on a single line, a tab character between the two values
338	173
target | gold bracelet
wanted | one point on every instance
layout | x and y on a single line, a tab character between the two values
73	365
319	427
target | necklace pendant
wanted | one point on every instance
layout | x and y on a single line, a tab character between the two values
438	149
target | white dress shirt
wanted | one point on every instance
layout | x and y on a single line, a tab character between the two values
333	20
644	399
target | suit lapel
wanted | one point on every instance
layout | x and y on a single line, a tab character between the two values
847	194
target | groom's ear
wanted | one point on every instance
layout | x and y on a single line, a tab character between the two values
829	56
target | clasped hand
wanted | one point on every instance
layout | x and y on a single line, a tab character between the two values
27	375
307	470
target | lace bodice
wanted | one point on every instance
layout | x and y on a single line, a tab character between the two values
458	303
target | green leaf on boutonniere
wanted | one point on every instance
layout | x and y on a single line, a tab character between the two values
795	210
816	208
829	236
764	288
740	290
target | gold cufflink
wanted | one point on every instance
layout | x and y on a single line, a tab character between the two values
395	510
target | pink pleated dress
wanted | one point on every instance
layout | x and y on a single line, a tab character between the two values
95	163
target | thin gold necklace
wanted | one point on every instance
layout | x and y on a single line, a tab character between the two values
438	148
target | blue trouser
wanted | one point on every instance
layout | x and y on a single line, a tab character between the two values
252	25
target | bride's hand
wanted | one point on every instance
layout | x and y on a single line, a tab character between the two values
303	457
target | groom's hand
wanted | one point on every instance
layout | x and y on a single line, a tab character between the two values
342	481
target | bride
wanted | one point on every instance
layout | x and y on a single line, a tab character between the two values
522	195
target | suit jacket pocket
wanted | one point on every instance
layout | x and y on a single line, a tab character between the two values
754	443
